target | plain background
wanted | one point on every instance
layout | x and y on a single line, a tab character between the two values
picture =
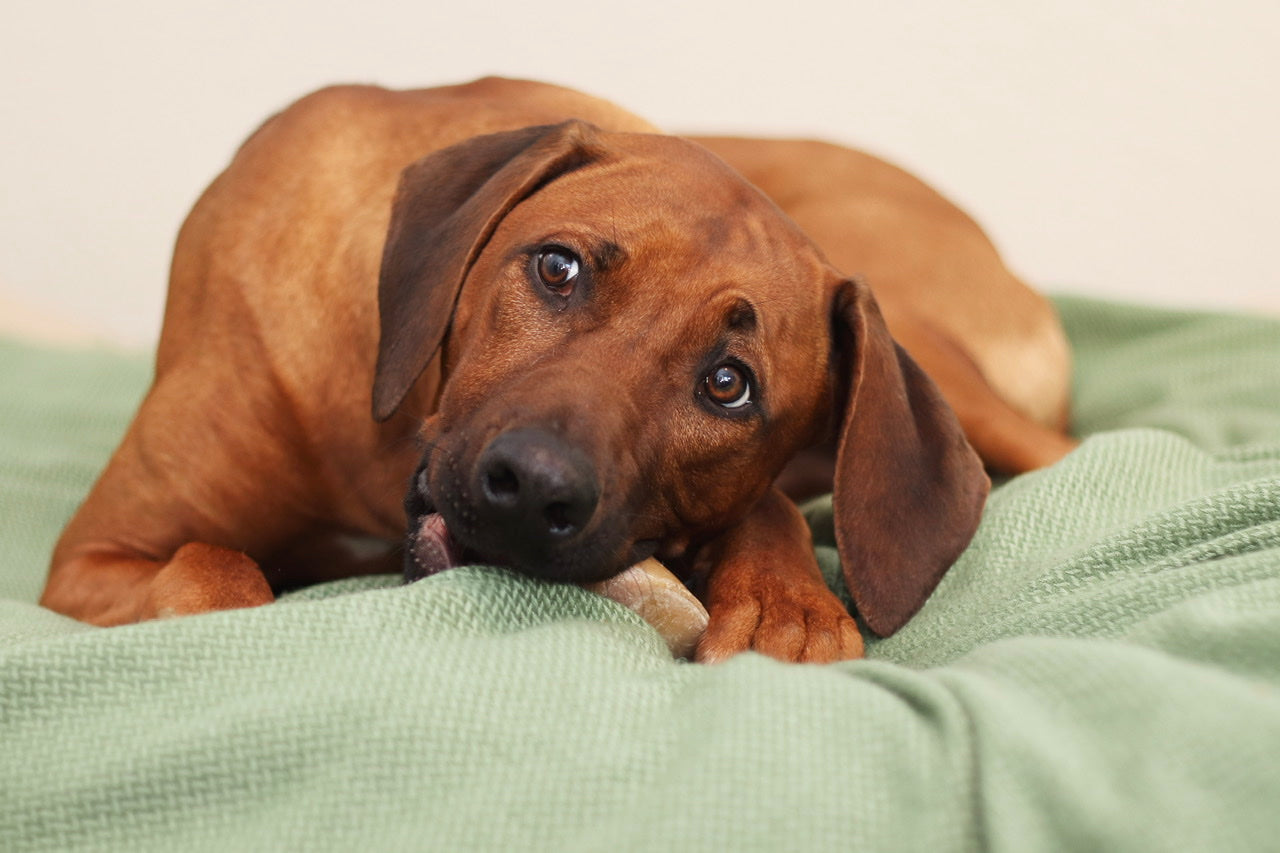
1121	149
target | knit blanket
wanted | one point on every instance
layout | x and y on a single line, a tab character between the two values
1099	671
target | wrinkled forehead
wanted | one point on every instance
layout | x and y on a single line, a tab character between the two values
687	260
665	203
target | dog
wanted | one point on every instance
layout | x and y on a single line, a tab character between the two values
577	343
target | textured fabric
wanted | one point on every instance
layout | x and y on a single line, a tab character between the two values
1099	671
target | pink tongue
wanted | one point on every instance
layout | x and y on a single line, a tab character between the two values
433	548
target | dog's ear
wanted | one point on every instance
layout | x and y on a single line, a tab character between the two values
909	489
446	207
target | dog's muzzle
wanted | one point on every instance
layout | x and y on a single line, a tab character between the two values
525	503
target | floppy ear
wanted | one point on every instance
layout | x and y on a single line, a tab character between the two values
909	489
446	207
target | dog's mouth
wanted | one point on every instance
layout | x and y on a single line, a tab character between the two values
432	548
514	514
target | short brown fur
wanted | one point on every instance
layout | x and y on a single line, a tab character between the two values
257	441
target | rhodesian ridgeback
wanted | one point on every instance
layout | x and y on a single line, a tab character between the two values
578	343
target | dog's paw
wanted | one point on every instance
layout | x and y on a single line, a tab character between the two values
200	578
808	625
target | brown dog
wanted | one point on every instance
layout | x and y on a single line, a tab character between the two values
605	342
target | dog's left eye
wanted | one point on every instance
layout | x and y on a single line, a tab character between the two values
557	269
728	386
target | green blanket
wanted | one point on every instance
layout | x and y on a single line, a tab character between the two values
1099	671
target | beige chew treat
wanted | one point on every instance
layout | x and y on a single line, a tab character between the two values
661	600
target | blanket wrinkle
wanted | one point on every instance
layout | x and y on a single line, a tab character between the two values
1100	670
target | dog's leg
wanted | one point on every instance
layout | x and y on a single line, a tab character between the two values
106	588
1007	440
201	477
766	593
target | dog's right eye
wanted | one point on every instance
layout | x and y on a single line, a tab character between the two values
557	269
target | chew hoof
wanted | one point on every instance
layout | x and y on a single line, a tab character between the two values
660	599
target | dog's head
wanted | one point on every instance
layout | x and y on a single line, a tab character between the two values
636	341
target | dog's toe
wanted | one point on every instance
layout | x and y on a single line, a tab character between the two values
832	639
729	631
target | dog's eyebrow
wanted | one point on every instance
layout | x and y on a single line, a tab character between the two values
741	316
608	255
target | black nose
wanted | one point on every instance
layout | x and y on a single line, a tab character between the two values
534	490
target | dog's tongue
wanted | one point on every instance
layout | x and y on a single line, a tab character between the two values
434	549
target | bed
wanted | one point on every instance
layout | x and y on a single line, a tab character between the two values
1099	671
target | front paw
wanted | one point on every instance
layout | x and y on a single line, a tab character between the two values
201	578
766	615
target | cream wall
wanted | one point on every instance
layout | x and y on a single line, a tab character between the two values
1116	148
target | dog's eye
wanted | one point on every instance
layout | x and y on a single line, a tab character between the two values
728	386
557	269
